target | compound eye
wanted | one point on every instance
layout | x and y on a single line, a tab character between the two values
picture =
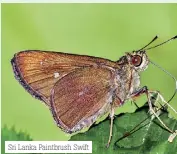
136	60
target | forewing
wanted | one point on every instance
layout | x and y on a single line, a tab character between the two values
81	96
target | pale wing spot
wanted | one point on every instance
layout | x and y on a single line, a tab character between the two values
56	75
85	90
41	62
81	93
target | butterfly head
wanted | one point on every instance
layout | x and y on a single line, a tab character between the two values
138	60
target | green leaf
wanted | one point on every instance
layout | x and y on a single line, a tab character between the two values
151	138
12	135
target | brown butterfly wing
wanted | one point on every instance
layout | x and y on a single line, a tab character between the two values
38	71
81	96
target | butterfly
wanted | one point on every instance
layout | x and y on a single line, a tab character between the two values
78	89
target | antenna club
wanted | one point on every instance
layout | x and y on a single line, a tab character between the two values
175	37
162	43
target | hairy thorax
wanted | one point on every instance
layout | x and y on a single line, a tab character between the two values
128	81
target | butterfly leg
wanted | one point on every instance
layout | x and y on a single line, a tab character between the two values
160	97
155	114
145	90
172	136
111	125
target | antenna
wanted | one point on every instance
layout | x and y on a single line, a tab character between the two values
162	43
149	42
137	127
168	73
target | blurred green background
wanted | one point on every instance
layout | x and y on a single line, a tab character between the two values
103	30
